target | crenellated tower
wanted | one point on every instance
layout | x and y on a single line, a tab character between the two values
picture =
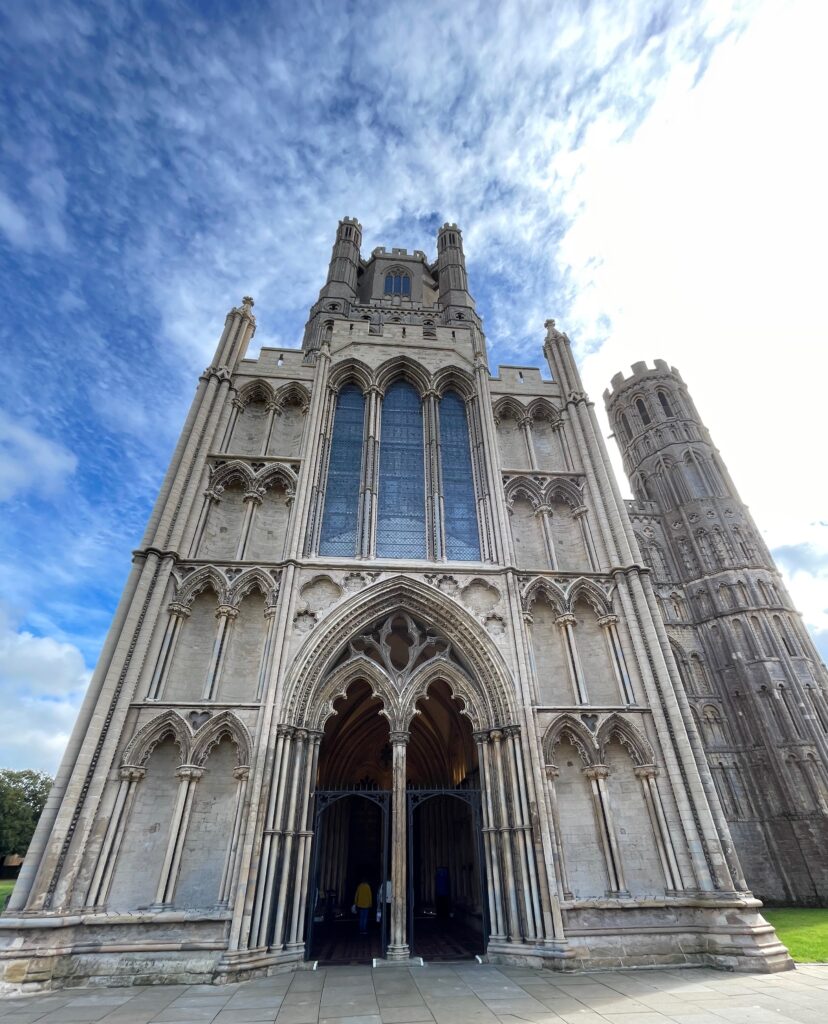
756	682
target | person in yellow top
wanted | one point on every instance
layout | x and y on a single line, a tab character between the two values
363	901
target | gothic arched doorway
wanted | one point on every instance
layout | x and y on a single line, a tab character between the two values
446	907
351	825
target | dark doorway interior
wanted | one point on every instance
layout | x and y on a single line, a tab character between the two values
352	810
446	912
352	837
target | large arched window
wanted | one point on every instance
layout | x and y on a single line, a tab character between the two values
401	531
460	514
341	517
397	283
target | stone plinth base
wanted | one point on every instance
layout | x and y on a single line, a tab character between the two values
730	934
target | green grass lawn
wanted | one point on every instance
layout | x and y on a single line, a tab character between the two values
804	932
6	886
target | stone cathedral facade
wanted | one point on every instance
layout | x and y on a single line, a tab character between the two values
391	621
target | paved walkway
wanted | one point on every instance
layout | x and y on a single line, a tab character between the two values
449	994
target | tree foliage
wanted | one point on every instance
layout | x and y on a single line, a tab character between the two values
22	797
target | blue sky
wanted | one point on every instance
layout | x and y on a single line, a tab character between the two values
651	174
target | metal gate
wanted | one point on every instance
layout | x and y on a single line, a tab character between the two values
324	799
416	798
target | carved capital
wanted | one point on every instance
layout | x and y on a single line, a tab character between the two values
241	772
284	730
132	772
189	771
552	771
544	510
399	737
596	771
608	620
254	496
567	619
179	610
496	735
645	771
511	730
481	736
581	510
226	611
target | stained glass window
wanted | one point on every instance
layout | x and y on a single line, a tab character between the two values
462	538
401	529
341	516
397	284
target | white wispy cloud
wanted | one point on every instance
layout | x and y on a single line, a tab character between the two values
649	173
29	461
42	682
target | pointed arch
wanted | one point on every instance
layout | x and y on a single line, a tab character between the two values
277	471
453	378
589	591
207	576
523	486
543	409
491	688
507	407
222	726
250	580
350	371
616	727
405	368
292	393
567	728
255	391
541	585
566	491
234	471
168	725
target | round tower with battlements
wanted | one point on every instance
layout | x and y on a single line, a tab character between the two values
750	667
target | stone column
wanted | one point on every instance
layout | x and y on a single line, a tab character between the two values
179	613
526	427
567	624
434	488
225	615
211	498
267	651
490	841
609	625
370	475
271	839
188	776
597	775
646	773
512	925
236	407
544	513
271	408
580	514
523	833
398	946
304	835
129	775
241	774
552	774
299	746
252	500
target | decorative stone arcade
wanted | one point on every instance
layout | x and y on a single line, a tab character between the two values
375	566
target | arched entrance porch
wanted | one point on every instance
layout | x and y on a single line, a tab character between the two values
382	640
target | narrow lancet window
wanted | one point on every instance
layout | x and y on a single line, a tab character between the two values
460	514
401	530
341	516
